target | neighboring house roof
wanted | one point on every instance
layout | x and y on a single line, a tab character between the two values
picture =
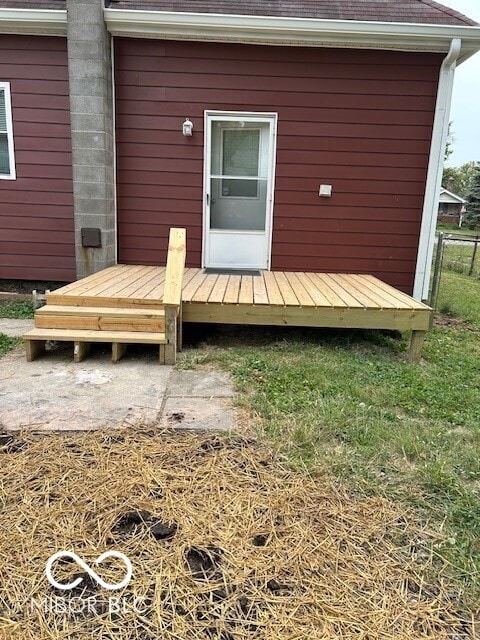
407	11
448	196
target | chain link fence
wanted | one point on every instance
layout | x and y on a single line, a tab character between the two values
454	253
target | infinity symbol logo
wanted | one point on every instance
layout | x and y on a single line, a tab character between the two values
91	572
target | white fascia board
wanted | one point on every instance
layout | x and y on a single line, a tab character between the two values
42	22
215	27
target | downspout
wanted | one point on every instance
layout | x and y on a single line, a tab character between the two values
114	127
435	171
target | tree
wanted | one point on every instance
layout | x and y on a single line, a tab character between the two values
458	179
472	214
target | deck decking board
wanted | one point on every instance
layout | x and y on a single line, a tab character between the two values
233	290
334	299
246	294
402	298
144	282
288	294
205	289
348	297
260	295
190	289
273	290
218	291
85	284
153	288
301	292
109	288
78	284
126	287
383	298
317	296
363	295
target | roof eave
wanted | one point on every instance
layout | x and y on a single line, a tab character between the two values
453	195
292	31
255	30
42	22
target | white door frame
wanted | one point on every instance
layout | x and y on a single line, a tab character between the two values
233	116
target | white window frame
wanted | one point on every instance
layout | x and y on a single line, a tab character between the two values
5	87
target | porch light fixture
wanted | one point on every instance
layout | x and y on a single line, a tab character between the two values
187	127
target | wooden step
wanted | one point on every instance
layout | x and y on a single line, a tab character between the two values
100	318
102	301
79	335
36	338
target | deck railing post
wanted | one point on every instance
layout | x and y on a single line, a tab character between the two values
171	313
172	293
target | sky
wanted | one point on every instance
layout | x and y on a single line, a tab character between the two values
465	112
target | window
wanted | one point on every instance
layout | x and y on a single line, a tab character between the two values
240	157
7	160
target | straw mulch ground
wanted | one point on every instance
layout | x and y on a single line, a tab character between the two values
225	543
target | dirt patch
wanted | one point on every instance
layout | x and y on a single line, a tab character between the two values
444	321
27	286
225	543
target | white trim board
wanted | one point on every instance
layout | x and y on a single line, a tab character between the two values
313	32
37	22
433	184
5	87
271	30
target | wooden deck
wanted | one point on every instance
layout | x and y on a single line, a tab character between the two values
127	304
271	298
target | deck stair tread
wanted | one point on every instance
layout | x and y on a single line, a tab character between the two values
84	335
119	312
100	318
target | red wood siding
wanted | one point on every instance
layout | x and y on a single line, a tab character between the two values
359	120
36	209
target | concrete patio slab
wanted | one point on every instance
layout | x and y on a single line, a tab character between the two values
54	393
196	384
15	328
198	413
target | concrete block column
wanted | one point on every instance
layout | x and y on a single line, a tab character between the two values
91	111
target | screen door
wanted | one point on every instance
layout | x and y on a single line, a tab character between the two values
238	190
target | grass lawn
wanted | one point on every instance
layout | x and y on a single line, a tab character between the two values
21	309
6	344
348	403
458	257
459	296
459	231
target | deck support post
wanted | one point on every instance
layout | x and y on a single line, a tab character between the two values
416	344
180	330
161	354
171	313
119	349
80	351
34	348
